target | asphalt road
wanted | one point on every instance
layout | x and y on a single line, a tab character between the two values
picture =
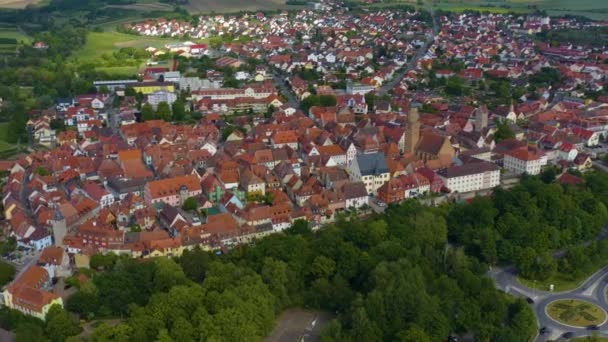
279	82
593	290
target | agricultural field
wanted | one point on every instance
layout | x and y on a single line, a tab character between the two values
17	3
10	38
595	9
100	45
222	6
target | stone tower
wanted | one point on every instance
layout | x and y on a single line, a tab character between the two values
59	228
183	194
413	131
481	118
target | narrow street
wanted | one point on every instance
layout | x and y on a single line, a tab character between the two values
279	82
412	63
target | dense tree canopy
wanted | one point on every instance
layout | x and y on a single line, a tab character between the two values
390	277
524	225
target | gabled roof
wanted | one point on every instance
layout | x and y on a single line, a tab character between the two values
372	163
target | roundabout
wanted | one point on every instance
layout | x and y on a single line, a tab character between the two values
565	315
576	313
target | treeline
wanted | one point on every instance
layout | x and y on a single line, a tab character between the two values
388	278
592	36
524	226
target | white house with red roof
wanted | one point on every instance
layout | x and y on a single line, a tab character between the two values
567	151
589	137
526	159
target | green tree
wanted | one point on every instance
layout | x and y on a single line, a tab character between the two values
503	131
327	100
194	263
179	111
82	303
60	324
28	332
167	274
456	86
147	112
163	111
190	204
323	267
7	273
103	261
413	334
310	101
42	171
274	273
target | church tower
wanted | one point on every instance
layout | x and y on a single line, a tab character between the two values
481	118
59	228
413	131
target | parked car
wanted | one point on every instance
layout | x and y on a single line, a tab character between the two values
593	327
543	330
452	338
529	300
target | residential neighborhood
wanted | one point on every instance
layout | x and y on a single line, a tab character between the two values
248	124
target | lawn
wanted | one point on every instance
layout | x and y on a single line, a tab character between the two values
576	312
560	282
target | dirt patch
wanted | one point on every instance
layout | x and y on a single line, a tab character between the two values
299	325
17	3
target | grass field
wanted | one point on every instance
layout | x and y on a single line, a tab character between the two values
595	9
576	312
99	43
559	281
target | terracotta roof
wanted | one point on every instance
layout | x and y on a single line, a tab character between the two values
172	186
526	153
129	155
430	143
35	277
31	298
51	255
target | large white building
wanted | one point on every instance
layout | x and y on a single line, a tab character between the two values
161	96
371	169
261	91
528	160
472	176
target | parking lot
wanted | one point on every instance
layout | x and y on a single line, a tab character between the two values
21	258
377	205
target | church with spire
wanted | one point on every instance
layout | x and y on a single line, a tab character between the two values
427	145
